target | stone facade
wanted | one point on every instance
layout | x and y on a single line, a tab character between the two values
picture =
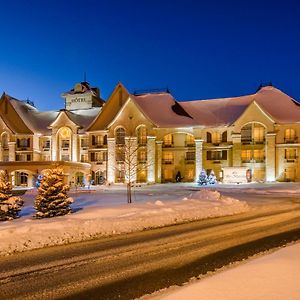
93	141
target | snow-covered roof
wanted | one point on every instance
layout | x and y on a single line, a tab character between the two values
165	111
39	122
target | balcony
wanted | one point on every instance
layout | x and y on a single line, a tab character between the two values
167	161
291	159
291	140
189	161
254	161
249	141
189	144
167	145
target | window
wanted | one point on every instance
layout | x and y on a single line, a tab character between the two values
23	178
120	136
208	137
290	135
46	144
23	143
65	157
190	156
253	133
216	138
168	140
84	157
65	144
216	155
4	141
290	153
224	137
142	156
142	135
167	157
258	133
168	174
84	143
190	140
246	155
259	155
289	174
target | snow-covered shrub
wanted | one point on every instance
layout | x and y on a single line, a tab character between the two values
52	199
202	180
9	205
212	179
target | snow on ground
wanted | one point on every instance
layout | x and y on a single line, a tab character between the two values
270	277
91	220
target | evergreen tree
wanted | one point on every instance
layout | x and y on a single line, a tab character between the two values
212	179
9	205
52	199
203	178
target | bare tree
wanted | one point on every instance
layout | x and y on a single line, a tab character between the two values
127	154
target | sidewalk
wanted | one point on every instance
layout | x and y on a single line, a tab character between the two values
271	277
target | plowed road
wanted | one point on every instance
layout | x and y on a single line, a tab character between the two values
132	265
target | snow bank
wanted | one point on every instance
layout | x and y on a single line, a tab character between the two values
28	233
274	276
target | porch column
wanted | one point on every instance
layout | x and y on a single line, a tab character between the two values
198	158
270	156
54	147
111	160
11	151
236	150
75	147
158	160
150	159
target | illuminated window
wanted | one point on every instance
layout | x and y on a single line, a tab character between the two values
246	155
290	153
142	155
120	136
142	135
190	140
216	138
259	155
290	135
258	133
168	140
168	157
168	174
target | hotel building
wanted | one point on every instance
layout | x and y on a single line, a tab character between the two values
258	131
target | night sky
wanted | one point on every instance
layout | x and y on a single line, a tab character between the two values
199	49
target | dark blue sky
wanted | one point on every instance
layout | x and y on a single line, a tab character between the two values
199	49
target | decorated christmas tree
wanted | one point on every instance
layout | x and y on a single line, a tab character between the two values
9	205
52	199
212	179
203	178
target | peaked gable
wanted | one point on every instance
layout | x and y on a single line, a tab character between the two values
254	113
110	109
11	117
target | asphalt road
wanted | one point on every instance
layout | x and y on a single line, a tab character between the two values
129	266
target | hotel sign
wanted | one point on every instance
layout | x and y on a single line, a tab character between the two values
235	175
74	102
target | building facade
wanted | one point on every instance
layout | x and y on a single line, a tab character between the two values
150	137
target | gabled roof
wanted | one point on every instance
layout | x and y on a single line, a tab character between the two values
10	113
165	111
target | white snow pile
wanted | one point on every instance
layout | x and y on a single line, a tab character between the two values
28	233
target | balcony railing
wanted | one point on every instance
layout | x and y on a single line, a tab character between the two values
292	140
167	161
189	161
167	145
189	144
257	160
249	141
